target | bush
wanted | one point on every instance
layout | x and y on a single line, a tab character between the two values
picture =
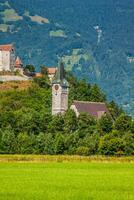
123	123
105	124
82	151
109	145
129	144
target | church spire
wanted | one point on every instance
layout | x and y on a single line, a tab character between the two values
60	89
60	77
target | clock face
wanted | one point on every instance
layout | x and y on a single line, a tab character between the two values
56	87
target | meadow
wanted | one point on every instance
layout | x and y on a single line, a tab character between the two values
59	178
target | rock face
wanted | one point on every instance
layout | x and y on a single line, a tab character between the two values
59	92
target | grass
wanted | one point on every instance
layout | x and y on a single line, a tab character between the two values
11	85
58	33
4	27
65	179
37	18
11	15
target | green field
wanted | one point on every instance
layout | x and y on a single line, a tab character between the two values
66	181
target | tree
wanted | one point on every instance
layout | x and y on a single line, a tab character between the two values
8	142
43	82
49	144
96	94
86	124
7	119
82	151
110	145
123	123
91	142
105	124
29	68
59	146
129	143
57	124
26	143
70	122
71	142
44	70
115	110
132	127
40	143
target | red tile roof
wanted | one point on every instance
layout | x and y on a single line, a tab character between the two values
6	47
18	61
51	70
38	75
95	109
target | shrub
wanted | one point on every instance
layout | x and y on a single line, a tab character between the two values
109	145
82	151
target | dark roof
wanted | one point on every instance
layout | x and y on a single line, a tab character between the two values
95	109
60	77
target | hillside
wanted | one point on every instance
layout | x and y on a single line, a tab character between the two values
28	127
95	39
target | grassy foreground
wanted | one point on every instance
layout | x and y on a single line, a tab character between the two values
66	180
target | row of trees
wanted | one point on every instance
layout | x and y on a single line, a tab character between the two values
70	135
27	126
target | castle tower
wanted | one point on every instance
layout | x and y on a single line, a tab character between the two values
18	63
59	92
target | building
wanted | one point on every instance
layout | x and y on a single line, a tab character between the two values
51	72
59	91
7	57
18	65
95	109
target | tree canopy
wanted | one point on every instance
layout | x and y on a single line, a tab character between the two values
27	126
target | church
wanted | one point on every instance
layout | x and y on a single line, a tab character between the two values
60	92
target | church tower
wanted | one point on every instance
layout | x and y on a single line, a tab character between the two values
59	91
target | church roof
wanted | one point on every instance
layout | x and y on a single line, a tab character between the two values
95	109
60	77
6	47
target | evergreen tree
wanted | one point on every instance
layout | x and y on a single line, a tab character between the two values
8	142
105	124
59	146
123	123
70	122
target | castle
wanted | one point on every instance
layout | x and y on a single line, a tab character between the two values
60	86
8	61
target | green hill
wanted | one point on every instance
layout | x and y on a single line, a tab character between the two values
27	126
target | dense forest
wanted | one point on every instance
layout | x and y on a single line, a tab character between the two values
95	39
27	126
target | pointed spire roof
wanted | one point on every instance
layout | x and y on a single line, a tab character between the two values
60	77
18	61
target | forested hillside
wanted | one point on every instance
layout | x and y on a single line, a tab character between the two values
27	126
95	39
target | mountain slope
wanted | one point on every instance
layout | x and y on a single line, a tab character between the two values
95	39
